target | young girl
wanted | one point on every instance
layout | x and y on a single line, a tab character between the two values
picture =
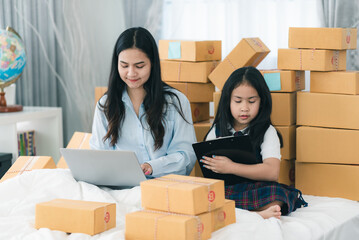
244	108
141	113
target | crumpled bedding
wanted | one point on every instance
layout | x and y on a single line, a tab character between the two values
324	218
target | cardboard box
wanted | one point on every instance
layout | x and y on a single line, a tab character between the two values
196	171
283	108
195	92
163	226
328	110
341	82
288	135
75	216
216	98
223	216
200	111
5	163
284	80
327	145
99	92
323	38
179	71
182	194
329	180
27	163
311	59
287	172
193	51
202	128
80	140
248	52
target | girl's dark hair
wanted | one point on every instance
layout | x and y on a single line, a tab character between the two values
259	125
155	102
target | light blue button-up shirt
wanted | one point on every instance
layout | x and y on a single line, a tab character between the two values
176	154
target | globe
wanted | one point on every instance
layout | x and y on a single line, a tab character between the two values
12	63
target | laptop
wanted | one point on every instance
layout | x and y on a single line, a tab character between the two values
239	149
104	167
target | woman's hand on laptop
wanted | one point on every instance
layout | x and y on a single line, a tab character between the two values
146	168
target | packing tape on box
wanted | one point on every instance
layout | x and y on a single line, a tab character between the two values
335	60
300	59
179	72
178	181
297	79
27	166
83	140
199	224
230	63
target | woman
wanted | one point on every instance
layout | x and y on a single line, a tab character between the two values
141	113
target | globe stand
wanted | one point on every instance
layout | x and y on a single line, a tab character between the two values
4	107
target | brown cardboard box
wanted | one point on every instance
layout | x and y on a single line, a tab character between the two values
182	194
323	38
287	172
75	216
283	108
311	59
200	111
27	163
99	92
179	71
223	216
248	52
202	128
193	51
163	226
196	171
328	110
80	140
195	92
288	135
341	82
289	81
216	98
329	180
327	145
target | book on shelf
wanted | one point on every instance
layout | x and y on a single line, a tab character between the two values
26	143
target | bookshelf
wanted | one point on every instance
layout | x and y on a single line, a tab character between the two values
45	121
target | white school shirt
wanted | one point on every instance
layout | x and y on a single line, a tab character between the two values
270	148
176	155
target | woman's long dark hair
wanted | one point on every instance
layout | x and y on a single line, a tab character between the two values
259	125
155	102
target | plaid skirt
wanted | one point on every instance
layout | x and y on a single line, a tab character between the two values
254	195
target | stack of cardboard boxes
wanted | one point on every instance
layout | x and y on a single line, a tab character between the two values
327	163
180	207
284	85
185	65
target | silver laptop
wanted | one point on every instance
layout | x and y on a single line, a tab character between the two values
104	167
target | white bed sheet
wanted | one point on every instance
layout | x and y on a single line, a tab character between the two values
324	218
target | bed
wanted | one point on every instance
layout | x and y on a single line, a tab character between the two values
324	218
